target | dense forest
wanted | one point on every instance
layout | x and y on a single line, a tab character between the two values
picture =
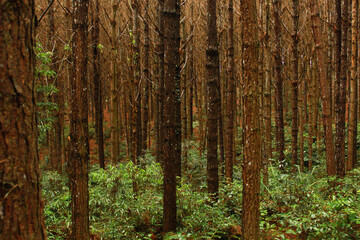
179	119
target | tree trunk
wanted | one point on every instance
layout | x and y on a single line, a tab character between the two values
213	95
20	205
252	158
352	134
171	110
136	88
97	85
279	105
340	85
325	89
160	87
294	84
147	80
301	126
114	88
267	97
79	136
230	95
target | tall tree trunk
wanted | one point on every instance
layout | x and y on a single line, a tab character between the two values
20	205
340	86
160	87
230	94
213	111
329	67
97	85
294	84
171	110
56	132
147	80
352	134
114	88
279	105
192	76
267	96
252	159
183	85
301	126
325	88
79	136
136	102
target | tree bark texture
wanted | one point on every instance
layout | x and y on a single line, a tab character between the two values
279	105
267	97
21	215
294	84
171	110
137	143
146	79
213	98
230	95
352	134
340	84
325	88
79	136
252	156
115	137
97	85
160	83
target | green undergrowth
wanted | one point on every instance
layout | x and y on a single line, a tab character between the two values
304	206
295	206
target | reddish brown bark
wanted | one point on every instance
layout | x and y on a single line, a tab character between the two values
114	87
79	136
97	85
56	131
21	214
252	158
353	108
294	84
230	95
171	110
147	80
325	88
213	98
160	83
340	83
279	105
267	97
137	143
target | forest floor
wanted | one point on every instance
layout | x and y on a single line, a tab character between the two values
293	206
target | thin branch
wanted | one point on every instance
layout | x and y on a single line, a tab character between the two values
47	9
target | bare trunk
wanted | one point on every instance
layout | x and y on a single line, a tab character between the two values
352	134
294	84
252	159
213	94
230	94
279	105
340	86
97	85
147	80
267	97
325	89
114	88
21	215
171	110
79	137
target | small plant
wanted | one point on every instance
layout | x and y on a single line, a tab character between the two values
46	90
